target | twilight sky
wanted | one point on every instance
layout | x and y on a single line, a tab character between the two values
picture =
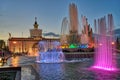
18	16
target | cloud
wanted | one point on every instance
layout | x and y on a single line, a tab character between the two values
51	34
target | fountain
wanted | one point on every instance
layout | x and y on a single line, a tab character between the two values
105	56
49	52
72	33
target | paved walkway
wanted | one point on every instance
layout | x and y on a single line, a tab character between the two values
28	73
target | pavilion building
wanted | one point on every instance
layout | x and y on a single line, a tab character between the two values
28	45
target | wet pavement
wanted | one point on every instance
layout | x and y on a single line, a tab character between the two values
60	71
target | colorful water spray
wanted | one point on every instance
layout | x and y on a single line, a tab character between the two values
105	56
49	52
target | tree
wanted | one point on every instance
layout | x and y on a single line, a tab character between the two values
117	43
2	44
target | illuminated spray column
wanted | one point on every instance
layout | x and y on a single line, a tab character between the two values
105	56
73	27
73	17
64	31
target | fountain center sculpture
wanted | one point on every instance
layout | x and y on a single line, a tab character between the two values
49	52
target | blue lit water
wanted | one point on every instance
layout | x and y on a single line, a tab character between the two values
74	71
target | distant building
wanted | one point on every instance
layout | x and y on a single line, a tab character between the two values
20	45
27	45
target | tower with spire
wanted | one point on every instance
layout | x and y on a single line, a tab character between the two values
36	32
35	24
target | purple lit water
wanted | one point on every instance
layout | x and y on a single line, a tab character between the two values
105	56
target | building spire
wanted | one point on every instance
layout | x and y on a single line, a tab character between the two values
35	24
35	19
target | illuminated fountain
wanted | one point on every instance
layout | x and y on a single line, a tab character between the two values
74	35
105	56
49	52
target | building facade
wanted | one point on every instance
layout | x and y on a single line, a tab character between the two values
28	45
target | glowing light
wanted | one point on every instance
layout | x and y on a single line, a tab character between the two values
83	46
72	46
62	47
0	59
15	61
90	45
100	44
14	42
112	43
105	68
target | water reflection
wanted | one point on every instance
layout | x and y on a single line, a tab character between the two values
65	71
105	75
15	61
51	71
73	71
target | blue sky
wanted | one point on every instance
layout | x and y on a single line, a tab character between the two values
18	16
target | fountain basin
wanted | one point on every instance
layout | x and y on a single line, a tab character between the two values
50	52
